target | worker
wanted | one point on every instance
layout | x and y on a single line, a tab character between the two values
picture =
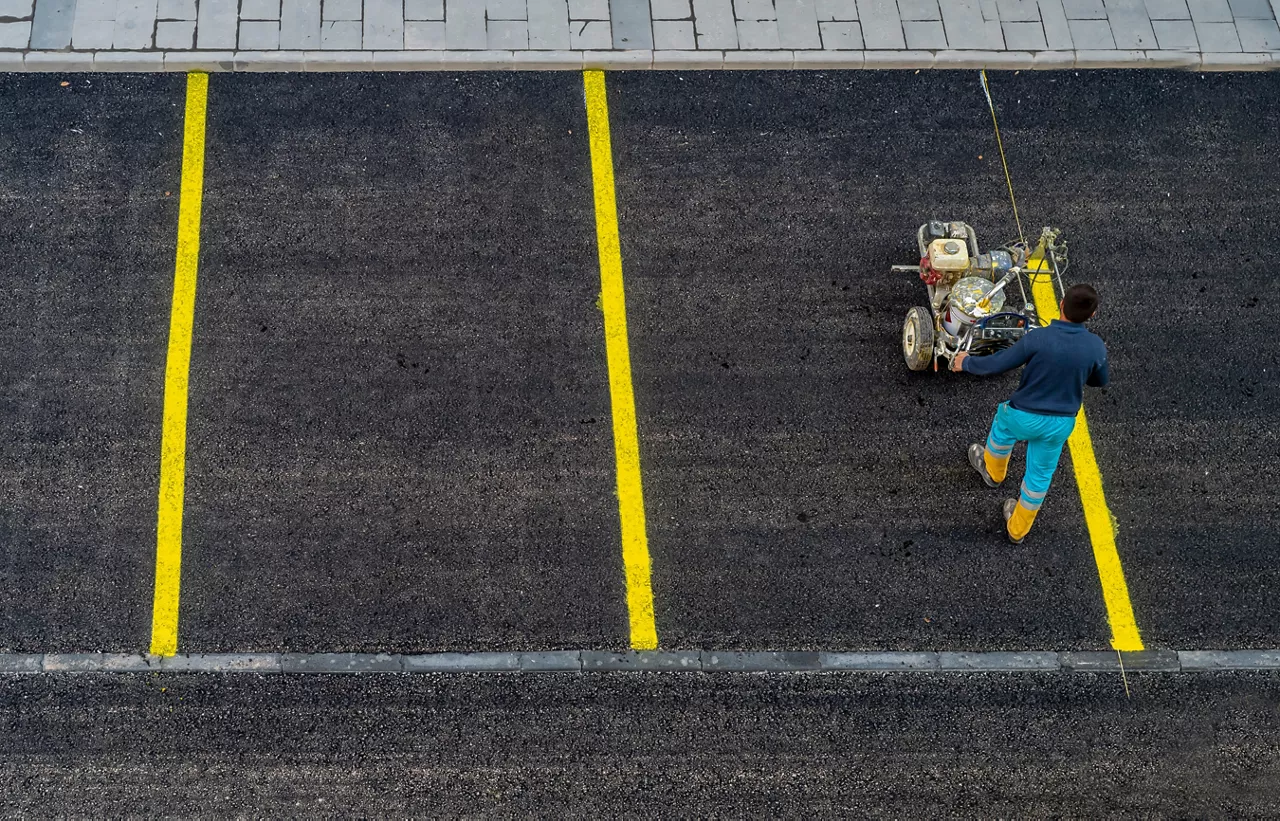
1060	360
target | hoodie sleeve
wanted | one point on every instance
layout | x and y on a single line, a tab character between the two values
1100	376
1006	360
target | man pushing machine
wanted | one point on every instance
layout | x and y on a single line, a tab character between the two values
1060	360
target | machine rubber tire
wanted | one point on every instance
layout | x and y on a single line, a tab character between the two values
917	339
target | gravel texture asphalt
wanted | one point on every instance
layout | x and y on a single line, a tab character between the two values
642	745
399	432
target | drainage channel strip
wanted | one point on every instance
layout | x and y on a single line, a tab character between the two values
672	661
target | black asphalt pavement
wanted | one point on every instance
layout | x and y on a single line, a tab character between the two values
89	177
400	435
642	745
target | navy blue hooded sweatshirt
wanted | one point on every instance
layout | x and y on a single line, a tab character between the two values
1060	360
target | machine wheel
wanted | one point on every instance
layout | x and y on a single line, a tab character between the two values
917	339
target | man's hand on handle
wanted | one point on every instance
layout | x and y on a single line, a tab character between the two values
957	362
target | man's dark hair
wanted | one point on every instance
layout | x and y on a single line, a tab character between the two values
1079	303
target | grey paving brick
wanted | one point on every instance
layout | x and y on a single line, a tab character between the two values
1019	11
424	34
1258	35
777	60
1176	34
1024	36
176	10
1092	34
798	24
998	661
673	34
259	9
424	9
464	25
548	24
21	662
1168	10
463	663
341	9
384	24
925	34
259	35
1217	37
590	35
604	660
758	34
1251	9
58	61
223	663
338	60
199	61
89	33
760	661
563	661
632	27
966	28
15	34
17	9
1210	11
753	10
216	24
1198	660
346	35
563	60
508	34
96	662
505	9
671	9
176	34
585	9
880	27
1085	9
300	24
1057	33
340	663
918	10
96	10
845	36
1132	30
50	27
836	10
135	24
990	11
714	24
879	661
1108	661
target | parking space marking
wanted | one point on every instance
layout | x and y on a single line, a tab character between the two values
1097	516
173	449
626	445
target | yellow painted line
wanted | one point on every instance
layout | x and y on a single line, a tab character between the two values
626	444
173	448
1097	516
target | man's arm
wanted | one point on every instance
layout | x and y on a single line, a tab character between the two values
1100	375
1006	360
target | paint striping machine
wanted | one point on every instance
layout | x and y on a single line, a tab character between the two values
971	307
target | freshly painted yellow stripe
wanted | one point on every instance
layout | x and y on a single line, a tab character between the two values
173	447
1097	516
626	445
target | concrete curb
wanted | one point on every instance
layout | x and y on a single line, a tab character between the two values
665	661
263	61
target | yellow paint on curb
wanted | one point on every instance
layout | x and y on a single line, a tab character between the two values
173	448
626	444
1097	516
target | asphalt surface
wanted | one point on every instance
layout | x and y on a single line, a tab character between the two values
399	433
637	745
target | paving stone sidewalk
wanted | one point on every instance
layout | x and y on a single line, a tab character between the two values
635	34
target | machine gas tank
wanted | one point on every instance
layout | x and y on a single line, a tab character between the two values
948	255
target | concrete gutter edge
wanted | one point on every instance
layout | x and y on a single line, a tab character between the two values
675	661
261	61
